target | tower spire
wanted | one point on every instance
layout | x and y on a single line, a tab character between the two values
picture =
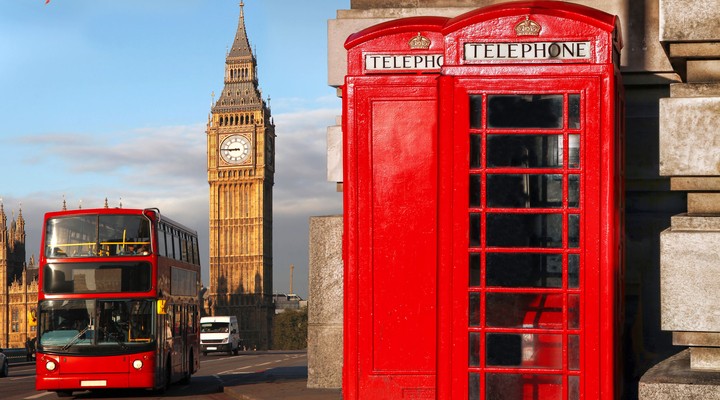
241	92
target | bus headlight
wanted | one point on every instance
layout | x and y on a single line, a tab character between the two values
137	364
50	365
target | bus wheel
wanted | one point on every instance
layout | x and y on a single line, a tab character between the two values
4	371
64	393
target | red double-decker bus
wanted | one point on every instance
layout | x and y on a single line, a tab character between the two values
118	301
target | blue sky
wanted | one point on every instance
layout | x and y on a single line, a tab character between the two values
110	99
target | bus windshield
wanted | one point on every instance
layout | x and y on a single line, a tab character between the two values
95	326
93	235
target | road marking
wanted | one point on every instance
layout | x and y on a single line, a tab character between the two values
230	371
266	363
22	377
39	395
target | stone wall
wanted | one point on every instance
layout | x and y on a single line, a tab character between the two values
325	303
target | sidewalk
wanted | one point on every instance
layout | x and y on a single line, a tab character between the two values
284	383
281	390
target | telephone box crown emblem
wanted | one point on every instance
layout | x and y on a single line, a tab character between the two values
528	27
419	42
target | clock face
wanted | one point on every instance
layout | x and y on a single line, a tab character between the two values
235	149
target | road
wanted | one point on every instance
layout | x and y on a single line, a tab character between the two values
216	372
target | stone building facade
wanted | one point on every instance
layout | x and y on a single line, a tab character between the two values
670	70
241	168
18	284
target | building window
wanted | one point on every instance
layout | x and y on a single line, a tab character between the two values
15	321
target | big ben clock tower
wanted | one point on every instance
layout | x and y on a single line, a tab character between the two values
240	154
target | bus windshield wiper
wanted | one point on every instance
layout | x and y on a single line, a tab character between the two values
75	338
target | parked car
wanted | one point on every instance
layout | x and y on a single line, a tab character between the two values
3	365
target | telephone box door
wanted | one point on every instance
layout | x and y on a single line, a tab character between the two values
526	276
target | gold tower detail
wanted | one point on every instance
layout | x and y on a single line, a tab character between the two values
240	154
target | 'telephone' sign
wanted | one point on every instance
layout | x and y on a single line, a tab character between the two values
512	51
403	62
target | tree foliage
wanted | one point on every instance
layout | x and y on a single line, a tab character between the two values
290	330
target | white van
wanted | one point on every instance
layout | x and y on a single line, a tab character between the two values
219	334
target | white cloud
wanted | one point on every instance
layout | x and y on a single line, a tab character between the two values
166	167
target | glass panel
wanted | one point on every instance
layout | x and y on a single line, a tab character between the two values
525	111
474	309
476	111
574	230
474	279
526	151
573	271
524	310
574	111
474	230
573	191
95	277
524	230
473	386
475	182
524	191
574	155
474	349
574	352
118	326
523	386
527	350
523	270
573	388
475	151
573	311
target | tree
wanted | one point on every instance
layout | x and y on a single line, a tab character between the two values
290	330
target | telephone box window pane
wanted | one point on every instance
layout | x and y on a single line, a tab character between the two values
573	311
574	111
475	151
574	352
573	191
525	151
475	182
524	230
523	386
574	230
504	349
474	230
474	349
527	350
573	271
524	191
524	310
474	270
574	154
473	386
525	111
474	309
476	111
519	270
573	388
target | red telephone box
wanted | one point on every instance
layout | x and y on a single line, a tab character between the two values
483	206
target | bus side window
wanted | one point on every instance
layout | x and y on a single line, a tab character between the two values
161	242
176	246
177	320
